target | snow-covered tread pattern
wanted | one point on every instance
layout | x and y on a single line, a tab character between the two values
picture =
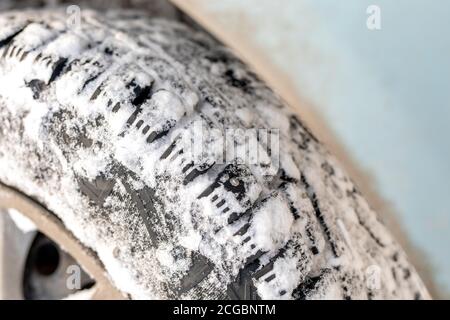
100	123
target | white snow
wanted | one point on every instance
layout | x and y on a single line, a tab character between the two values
134	265
272	224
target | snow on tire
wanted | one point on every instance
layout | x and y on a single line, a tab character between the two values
98	123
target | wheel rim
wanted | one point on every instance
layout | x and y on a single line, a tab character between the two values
49	225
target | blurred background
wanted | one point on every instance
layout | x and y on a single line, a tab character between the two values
378	95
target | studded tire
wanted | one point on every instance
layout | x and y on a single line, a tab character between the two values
99	122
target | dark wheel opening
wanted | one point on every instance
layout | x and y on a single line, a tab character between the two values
47	259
